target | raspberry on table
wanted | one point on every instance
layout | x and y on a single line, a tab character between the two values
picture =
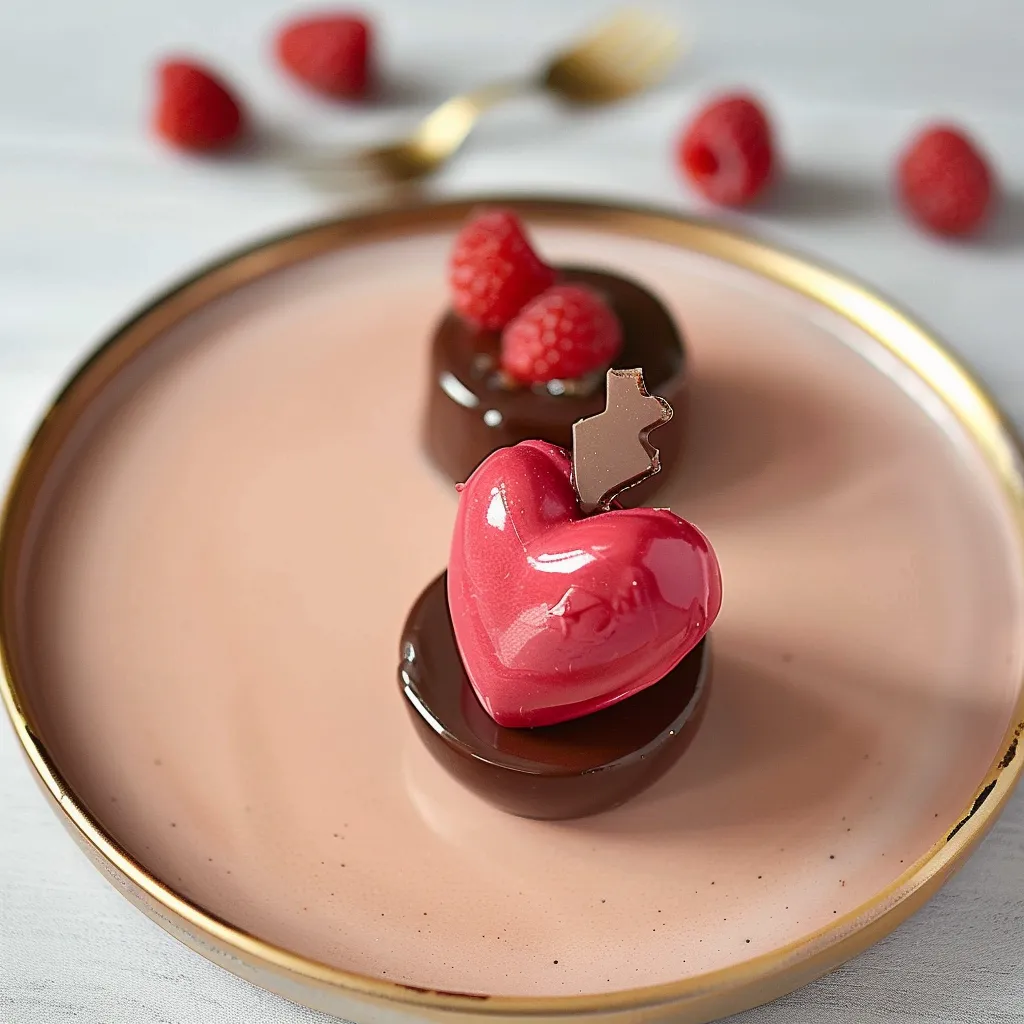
493	271
727	151
945	182
330	53
195	109
566	332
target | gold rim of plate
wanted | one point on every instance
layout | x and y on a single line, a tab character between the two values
700	998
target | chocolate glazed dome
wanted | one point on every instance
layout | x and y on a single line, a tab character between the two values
472	408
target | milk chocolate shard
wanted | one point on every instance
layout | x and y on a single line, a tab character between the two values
472	411
611	451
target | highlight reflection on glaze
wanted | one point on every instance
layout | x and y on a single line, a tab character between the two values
558	615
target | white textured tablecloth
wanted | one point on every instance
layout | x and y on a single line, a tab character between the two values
94	217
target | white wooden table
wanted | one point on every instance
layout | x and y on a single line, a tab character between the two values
94	217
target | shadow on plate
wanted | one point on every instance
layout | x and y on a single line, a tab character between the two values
782	735
760	444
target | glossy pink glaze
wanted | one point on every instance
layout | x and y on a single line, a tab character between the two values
558	615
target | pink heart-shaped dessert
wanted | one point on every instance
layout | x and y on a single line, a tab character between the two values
558	615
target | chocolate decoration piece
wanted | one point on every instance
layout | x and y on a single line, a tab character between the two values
611	451
569	770
472	409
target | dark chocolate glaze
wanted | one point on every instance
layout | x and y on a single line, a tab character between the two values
569	770
472	410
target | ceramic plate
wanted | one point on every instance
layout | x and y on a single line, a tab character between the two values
213	540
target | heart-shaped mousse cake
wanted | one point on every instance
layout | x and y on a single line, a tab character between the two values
557	614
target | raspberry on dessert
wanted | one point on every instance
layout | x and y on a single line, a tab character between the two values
727	150
471	411
944	181
329	53
195	109
493	271
564	333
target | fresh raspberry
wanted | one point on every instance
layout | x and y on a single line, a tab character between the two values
194	108
330	53
565	332
493	271
945	182
726	150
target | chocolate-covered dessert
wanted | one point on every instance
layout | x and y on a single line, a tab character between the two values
560	664
568	770
513	360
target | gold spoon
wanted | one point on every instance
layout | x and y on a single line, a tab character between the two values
624	55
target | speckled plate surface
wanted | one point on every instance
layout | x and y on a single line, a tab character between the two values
213	540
